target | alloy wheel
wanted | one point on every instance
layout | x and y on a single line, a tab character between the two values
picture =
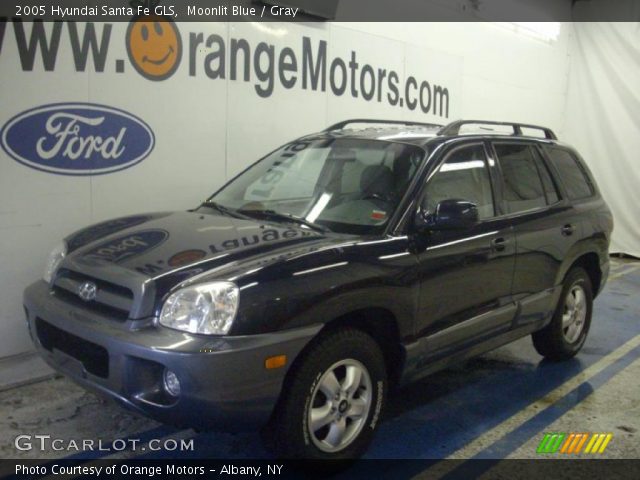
575	313
340	405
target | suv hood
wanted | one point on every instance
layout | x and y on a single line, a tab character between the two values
177	245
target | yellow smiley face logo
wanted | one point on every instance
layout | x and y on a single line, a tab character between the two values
154	46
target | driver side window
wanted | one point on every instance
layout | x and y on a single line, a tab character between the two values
463	175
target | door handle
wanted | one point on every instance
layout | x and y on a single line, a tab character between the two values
567	230
499	244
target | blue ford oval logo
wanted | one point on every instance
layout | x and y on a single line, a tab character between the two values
77	139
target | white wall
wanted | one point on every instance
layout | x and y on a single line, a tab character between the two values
206	130
603	108
603	118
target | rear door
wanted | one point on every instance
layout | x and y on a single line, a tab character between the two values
543	223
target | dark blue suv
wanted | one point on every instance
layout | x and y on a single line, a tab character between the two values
347	261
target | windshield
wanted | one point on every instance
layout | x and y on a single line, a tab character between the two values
344	185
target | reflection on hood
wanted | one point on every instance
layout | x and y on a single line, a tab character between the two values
159	243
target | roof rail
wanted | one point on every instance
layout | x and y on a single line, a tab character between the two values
453	128
341	125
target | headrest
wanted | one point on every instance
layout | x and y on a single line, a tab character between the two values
376	179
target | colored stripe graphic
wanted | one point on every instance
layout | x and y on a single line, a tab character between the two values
598	443
567	443
605	443
581	442
551	442
572	443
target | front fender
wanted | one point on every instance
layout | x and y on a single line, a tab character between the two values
328	285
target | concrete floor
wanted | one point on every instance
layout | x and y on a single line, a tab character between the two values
495	406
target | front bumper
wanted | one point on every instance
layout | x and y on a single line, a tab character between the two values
224	383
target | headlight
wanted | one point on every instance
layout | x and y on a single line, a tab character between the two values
53	262
209	308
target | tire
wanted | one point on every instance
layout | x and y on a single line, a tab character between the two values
290	433
565	335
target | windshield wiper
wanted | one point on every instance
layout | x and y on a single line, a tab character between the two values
222	209
273	215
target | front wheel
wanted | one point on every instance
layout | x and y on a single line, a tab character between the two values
332	400
565	335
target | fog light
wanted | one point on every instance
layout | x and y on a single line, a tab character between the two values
171	383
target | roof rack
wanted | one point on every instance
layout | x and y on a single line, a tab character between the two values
453	128
341	125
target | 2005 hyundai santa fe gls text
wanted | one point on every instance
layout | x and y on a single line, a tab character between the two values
341	264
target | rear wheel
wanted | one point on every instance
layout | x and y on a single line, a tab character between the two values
565	335
332	401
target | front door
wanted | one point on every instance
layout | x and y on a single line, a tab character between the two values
465	275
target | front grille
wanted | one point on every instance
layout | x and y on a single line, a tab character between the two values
94	358
112	300
72	298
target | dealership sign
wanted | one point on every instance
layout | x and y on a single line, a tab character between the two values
154	45
77	139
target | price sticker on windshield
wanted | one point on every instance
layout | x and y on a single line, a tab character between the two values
378	215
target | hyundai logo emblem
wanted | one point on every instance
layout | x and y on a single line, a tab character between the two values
87	291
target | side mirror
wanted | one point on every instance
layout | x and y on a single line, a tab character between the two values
452	214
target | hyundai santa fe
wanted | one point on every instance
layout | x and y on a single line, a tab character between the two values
342	264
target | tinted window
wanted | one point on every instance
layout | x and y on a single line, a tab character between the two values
547	182
522	186
402	166
571	173
463	176
347	185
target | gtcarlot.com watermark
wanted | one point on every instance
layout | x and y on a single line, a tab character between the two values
48	443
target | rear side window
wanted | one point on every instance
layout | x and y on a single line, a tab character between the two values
573	176
522	186
547	182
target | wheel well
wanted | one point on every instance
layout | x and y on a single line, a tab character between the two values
382	326
591	263
379	323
